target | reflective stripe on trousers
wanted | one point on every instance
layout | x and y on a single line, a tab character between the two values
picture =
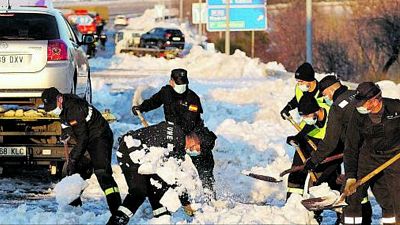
159	211
388	220
111	190
352	220
126	211
299	191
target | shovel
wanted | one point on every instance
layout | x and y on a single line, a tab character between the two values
300	168
263	177
321	203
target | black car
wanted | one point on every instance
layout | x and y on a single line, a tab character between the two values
163	38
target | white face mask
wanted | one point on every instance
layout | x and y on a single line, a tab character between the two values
56	111
363	110
310	120
303	87
192	153
180	88
328	100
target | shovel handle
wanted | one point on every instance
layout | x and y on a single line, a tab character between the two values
298	128
373	173
142	119
303	159
66	154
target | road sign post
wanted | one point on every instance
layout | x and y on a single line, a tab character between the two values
236	15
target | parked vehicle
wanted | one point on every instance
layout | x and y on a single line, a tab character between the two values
38	50
163	38
126	39
85	23
120	20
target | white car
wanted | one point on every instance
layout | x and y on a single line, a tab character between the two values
120	20
38	50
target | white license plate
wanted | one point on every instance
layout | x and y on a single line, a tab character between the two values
176	38
13	59
12	151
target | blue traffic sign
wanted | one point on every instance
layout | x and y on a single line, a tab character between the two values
244	15
237	2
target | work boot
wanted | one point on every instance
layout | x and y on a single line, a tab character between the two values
119	218
77	202
113	201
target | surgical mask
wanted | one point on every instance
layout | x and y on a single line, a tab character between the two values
303	87
310	120
192	153
363	110
56	111
180	88
328	100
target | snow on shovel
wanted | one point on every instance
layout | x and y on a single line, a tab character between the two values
321	203
262	177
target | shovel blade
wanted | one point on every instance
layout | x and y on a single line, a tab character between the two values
322	203
264	178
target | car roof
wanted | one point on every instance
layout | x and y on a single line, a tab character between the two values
30	9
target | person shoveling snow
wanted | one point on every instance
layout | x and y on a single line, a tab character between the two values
153	162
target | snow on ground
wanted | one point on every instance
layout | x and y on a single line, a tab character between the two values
241	98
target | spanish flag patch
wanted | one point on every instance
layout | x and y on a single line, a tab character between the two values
73	122
193	108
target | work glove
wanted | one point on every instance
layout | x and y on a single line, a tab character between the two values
285	112
350	188
135	108
310	165
294	139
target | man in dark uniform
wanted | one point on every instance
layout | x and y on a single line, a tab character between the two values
91	131
342	104
373	138
165	135
182	107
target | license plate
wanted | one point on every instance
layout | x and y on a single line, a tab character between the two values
12	151
176	38
13	59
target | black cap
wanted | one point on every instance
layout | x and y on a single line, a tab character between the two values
327	82
49	98
179	76
305	72
366	91
307	105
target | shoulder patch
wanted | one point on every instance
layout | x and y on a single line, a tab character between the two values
343	104
73	122
193	108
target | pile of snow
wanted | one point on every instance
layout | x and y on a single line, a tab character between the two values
69	189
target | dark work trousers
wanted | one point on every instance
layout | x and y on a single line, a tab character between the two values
204	164
385	186
100	153
140	188
296	180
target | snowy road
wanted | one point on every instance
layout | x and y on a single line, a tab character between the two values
241	99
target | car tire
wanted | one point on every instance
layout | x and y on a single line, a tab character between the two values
159	45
